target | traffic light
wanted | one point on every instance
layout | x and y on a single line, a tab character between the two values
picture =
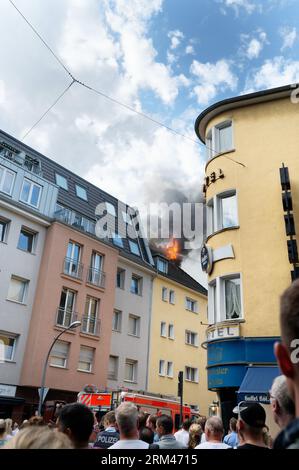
180	383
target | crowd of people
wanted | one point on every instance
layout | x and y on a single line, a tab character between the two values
129	428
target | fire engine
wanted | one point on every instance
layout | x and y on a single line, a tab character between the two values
152	403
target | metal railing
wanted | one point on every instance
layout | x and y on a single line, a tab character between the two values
73	268
28	163
75	219
90	325
65	317
96	277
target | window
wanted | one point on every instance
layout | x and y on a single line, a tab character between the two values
161	367
209	145
81	192
86	359
225	300
163	329
117	240
191	305
191	338
26	240
65	315
131	370
120	278
126	218
3	230
7	347
227	211
169	370
170	331
89	321
61	181
72	265
110	209
162	265
59	354
17	289
113	368
116	322
223	137
233	308
7	178
30	193
134	248
164	294
95	274
172	297
191	374
134	325
136	285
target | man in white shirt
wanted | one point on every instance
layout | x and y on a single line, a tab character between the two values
127	419
182	435
214	434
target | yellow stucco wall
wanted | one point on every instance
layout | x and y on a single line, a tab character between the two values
264	135
176	350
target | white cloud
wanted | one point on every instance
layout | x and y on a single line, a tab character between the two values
253	44
175	38
248	5
289	36
212	78
190	49
273	73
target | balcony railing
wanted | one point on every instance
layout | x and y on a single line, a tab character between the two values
96	277
90	325
75	219
25	161
65	317
73	268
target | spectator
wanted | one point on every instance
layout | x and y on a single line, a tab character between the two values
202	421
231	439
287	356
283	407
110	435
127	422
151	423
167	439
25	424
76	421
15	429
195	432
182	435
36	421
9	434
39	438
142	419
3	439
214	433
147	435
250	426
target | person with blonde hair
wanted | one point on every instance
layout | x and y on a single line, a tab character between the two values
195	432
39	437
8	423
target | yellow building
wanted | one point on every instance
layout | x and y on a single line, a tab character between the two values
248	249
179	307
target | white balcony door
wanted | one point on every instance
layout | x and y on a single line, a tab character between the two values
73	258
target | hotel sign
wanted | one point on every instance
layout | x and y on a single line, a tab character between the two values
223	331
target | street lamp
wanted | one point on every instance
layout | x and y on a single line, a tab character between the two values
72	326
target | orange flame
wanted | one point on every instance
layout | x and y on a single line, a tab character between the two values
172	250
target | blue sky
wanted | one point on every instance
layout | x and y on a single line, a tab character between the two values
167	58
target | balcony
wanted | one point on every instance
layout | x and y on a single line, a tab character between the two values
20	158
90	325
75	219
96	277
73	268
65	317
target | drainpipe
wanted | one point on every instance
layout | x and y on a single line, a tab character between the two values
149	330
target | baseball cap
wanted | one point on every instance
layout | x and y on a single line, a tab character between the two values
252	414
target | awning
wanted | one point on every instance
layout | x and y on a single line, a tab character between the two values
257	383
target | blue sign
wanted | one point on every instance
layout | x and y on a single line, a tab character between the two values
225	376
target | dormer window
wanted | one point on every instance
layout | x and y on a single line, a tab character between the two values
162	265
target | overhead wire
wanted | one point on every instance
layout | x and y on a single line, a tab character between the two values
101	93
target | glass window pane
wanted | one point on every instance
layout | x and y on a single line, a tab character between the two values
225	138
16	290
25	241
34	200
117	240
6	347
229	211
81	192
25	191
233	299
8	182
134	248
61	181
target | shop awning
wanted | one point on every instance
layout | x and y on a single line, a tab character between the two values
257	383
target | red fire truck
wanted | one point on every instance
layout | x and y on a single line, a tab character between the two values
149	402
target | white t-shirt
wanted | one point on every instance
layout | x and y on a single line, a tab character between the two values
130	444
212	445
182	436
